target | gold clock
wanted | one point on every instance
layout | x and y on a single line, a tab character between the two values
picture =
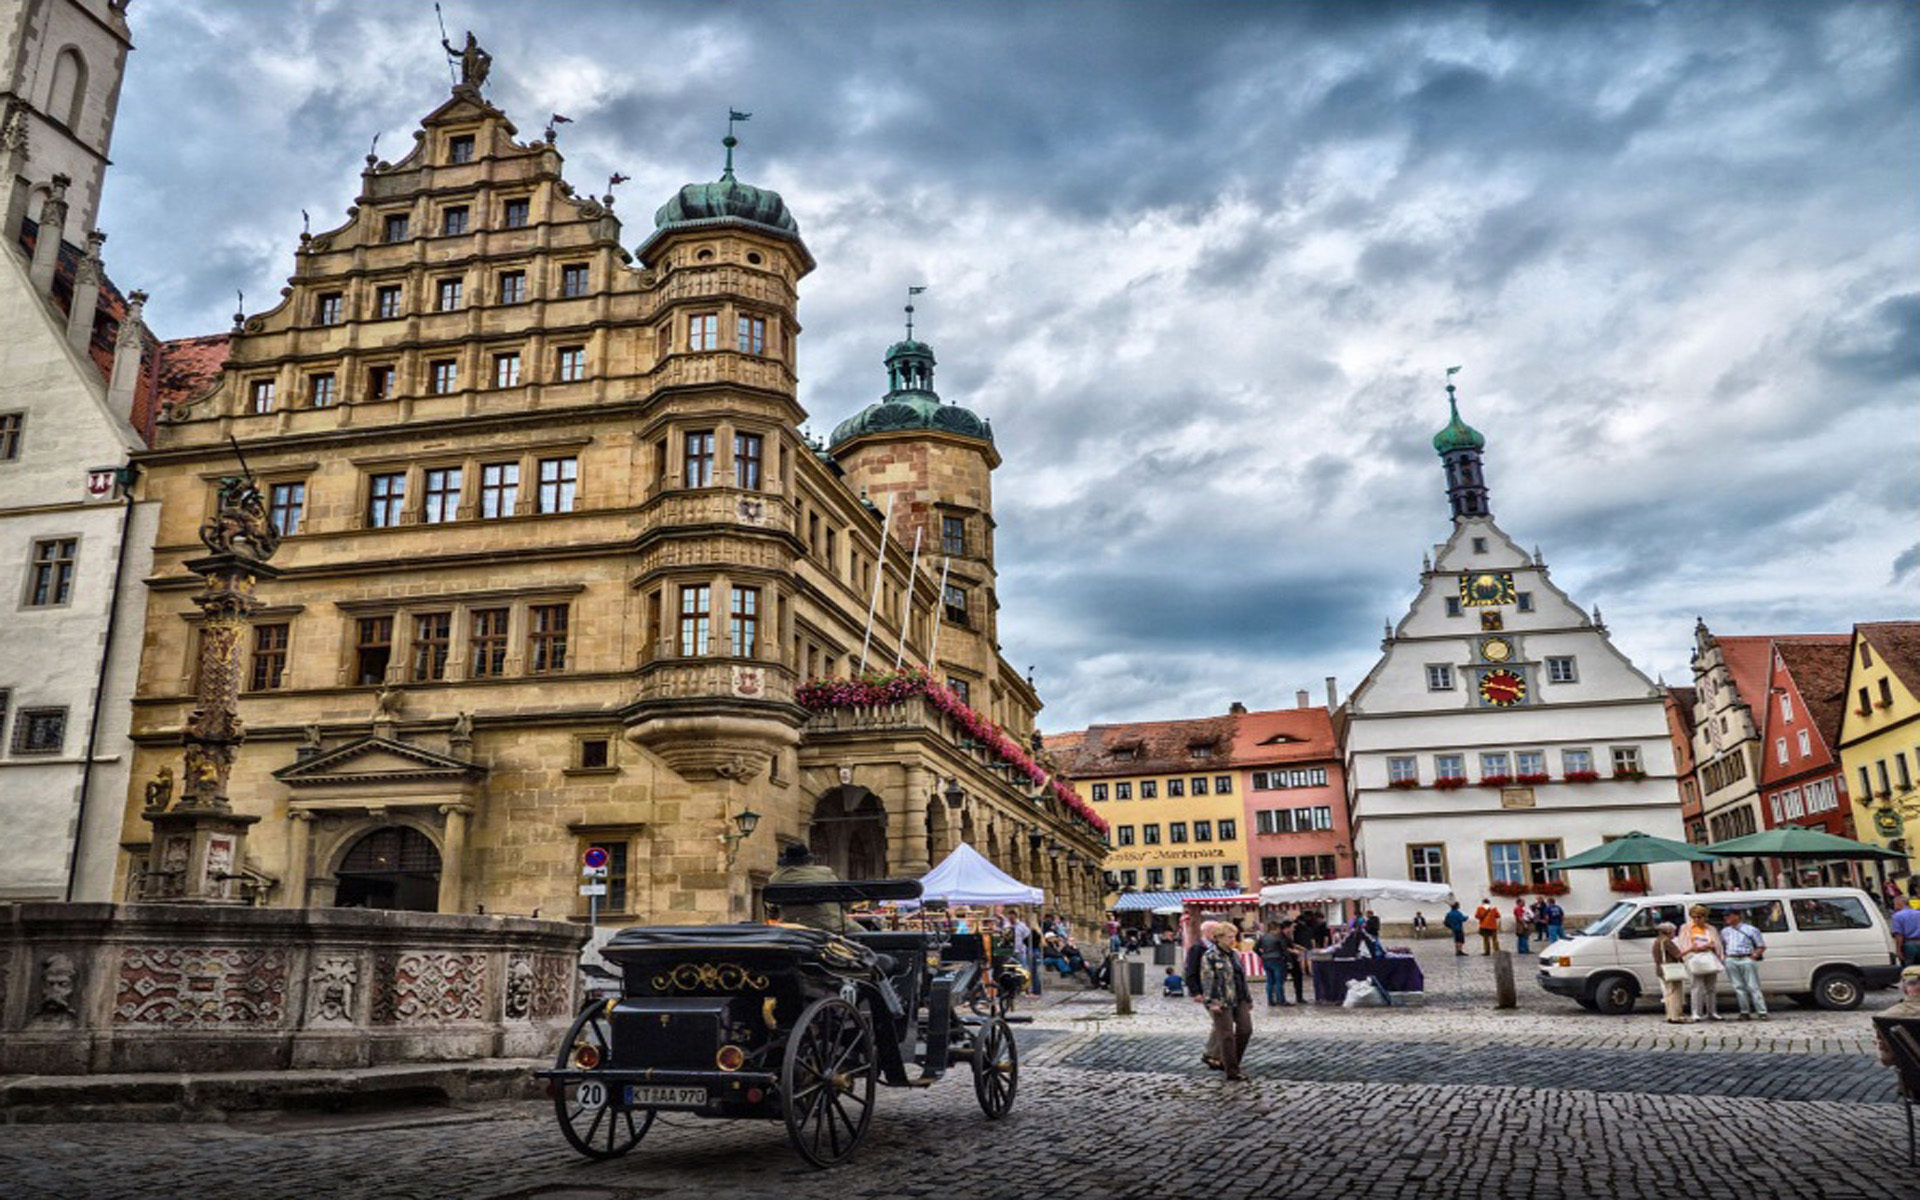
1497	650
1486	588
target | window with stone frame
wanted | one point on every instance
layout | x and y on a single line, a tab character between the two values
513	287
372	650
386	499
547	638
329	308
1427	863
574	279
460	148
594	754
50	572
1561	668
320	390
1449	766
570	364
1156	878
963	692
393	227
269	657
260	396
698	464
953	535
954	602
1205	877
453	220
499	490
515	213
1176	832
447	294
1182	877
1439	677
432	643
703	331
1203	831
286	503
743	623
443	376
696	619
487	643
1626	760
441	495
11	426
40	731
506	369
559	481
1403	769
1150	834
1576	760
1230	875
750	335
747	450
386	302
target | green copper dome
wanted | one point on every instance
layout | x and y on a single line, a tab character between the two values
1458	435
726	198
910	402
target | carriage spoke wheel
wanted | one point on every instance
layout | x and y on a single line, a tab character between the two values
593	1125
996	1067
827	1081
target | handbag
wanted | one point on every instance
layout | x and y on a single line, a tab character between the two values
1703	963
1673	972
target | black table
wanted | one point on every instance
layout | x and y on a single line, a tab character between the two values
1396	973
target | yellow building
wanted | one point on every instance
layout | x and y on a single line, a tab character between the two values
1166	790
558	562
1880	735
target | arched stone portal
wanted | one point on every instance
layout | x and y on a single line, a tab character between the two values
848	832
395	867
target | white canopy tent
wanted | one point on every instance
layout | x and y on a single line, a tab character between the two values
1319	890
966	877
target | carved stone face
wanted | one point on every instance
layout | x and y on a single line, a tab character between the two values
57	978
519	988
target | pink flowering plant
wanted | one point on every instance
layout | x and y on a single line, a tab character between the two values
878	689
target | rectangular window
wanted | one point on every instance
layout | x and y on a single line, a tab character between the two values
696	614
1099	791
260	396
379	383
506	370
1780	751
1403	770
953	535
1150	834
372	650
750	335
432	639
1203	831
1197	786
1900	770
1494	764
1866	782
1149	790
487	643
746	460
453	220
1206	877
446	295
559	480
1125	835
40	731
386	500
954	601
573	279
1156	878
1449	766
963	692
442	495
595	753
1523	601
1270	868
1439	677
386	302
1786	707
50	578
1506	862
1228	829
1530	763
513	287
744	624
546	638
1176	788
445	375
615	901
329	308
320	390
703	331
1182	877
1576	762
1453	606
1176	831
515	213
269	657
460	148
1129	878
499	490
10	427
285	503
1806	744
394	228
1123	791
1626	759
1539	854
1230	875
572	364
1560	669
699	459
1223	785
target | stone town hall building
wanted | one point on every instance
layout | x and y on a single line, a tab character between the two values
557	558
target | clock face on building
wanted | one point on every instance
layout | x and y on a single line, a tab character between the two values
1488	587
1502	688
1497	650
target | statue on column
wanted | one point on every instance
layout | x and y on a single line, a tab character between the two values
240	524
474	62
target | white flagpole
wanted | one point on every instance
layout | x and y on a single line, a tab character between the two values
873	601
939	611
906	601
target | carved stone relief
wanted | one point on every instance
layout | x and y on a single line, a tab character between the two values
519	987
426	987
59	991
330	990
552	986
189	986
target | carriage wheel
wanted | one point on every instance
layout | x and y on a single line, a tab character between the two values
591	1123
827	1081
996	1068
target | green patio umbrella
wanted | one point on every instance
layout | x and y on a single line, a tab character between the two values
1632	850
1793	841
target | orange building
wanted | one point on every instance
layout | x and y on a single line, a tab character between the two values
1295	795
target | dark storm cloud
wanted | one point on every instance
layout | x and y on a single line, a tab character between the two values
1202	266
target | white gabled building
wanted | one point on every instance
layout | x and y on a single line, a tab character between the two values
1495	678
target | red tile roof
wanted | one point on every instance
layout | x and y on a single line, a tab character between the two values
1819	671
1750	658
1684	698
1284	735
189	366
1144	747
1898	644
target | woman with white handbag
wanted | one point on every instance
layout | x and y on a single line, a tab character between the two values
1701	951
1670	964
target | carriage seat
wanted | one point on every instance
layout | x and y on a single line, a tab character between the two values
898	950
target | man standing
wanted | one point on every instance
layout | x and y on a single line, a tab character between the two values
1745	948
1489	920
1522	925
1191	972
1906	933
1023	950
797	866
1556	921
1456	923
1275	949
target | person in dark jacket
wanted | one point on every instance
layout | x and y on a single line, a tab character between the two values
1275	949
1191	975
1223	982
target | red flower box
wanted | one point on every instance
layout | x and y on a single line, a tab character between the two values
1629	886
1403	785
1630	773
1532	780
1503	888
1550	889
1450	785
1496	780
1582	776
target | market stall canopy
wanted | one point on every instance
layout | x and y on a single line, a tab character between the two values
1354	889
1633	849
966	877
1148	901
1793	841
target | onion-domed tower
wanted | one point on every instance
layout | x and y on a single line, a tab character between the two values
1459	446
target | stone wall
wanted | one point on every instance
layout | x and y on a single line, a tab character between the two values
87	988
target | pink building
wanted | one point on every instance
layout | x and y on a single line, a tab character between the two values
1295	794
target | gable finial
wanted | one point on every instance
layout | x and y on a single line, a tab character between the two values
734	116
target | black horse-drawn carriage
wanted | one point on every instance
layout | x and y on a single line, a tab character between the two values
780	1022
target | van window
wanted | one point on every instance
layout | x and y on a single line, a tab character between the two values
1646	922
1830	912
1768	916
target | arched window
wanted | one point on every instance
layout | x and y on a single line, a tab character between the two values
69	93
394	867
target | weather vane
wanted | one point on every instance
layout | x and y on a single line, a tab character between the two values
1451	372
734	116
553	122
911	293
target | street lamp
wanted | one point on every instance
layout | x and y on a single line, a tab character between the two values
745	821
954	796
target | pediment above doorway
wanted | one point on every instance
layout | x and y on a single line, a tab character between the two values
379	760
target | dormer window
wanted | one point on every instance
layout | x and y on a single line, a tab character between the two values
1200	751
460	148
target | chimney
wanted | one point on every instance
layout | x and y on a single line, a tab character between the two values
86	295
1333	694
127	350
46	243
1236	708
1300	698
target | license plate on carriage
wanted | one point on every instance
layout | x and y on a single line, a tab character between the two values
640	1096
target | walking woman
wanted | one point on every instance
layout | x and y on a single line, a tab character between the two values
1700	949
1669	965
1223	981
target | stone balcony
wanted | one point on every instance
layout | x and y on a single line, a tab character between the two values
700	679
707	283
912	713
724	367
722	506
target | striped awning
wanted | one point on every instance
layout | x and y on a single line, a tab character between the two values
1148	901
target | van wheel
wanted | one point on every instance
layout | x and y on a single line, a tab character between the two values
1837	990
1615	994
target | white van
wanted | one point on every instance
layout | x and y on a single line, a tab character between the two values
1825	947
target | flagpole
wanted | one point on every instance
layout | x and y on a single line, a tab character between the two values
873	600
939	611
906	601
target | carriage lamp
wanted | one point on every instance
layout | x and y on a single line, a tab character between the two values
954	796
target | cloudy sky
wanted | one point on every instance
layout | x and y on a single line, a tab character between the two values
1203	266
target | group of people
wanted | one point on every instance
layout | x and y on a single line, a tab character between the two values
1544	919
1691	960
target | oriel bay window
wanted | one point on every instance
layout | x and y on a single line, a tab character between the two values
752	335
696	616
703	331
699	464
372	650
746	460
953	535
432	638
954	600
744	623
487	643
546	639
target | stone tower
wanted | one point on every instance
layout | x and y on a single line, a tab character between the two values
62	61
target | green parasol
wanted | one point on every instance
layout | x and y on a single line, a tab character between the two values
1632	850
1795	841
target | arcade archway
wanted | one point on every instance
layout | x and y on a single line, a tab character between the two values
848	832
395	867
